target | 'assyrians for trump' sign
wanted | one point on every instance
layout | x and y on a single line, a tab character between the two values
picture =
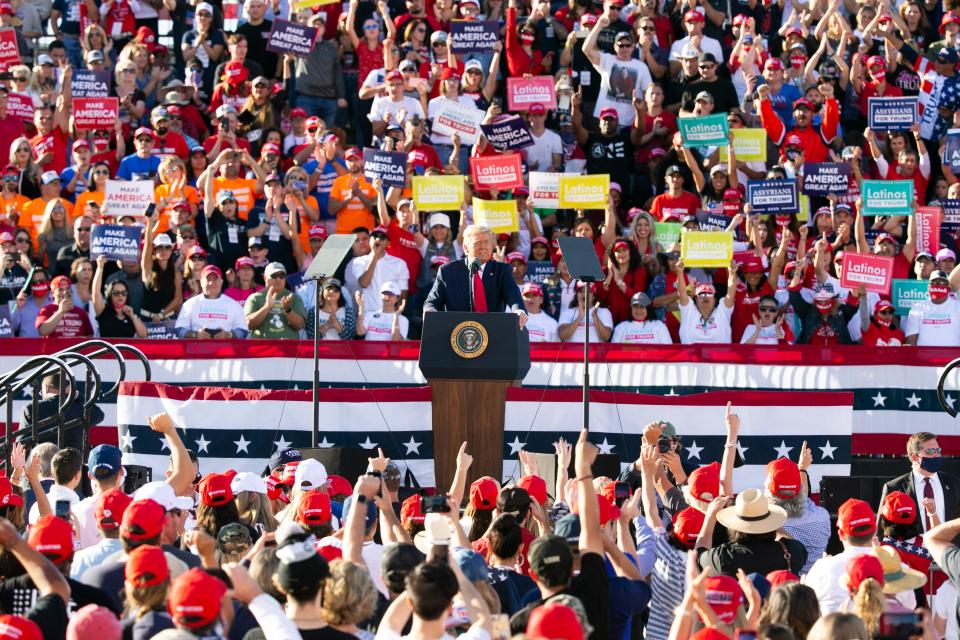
773	196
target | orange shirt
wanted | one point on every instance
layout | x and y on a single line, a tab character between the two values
190	194
355	214
88	196
18	202
32	216
305	223
244	190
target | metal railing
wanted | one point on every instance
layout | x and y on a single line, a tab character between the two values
30	376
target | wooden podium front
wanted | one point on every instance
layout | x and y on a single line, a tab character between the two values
470	360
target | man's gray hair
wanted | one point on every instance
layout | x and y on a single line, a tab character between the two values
795	507
46	451
476	229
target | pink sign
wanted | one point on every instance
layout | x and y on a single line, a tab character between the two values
9	52
928	229
20	105
523	92
95	113
873	271
497	172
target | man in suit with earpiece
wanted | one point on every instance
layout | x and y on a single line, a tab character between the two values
477	282
934	492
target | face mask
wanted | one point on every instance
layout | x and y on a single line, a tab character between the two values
162	130
883	322
783	221
938	292
824	306
117	306
797	61
527	38
931	465
40	289
879	75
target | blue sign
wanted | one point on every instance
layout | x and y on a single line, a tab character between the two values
507	133
389	166
473	36
6	324
951	150
539	270
824	178
773	196
290	37
892	114
90	84
116	242
713	221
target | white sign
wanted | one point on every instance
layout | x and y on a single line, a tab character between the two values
127	198
455	118
545	189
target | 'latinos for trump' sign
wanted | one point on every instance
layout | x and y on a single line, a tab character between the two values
389	166
773	196
473	36
887	197
892	114
748	144
290	37
452	118
873	271
705	131
437	193
497	172
928	229
507	133
500	216
95	113
824	178
907	293
584	192
115	241
706	248
523	92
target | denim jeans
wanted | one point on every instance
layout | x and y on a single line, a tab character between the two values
325	108
74	51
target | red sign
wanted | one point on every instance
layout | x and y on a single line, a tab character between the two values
873	271
928	229
95	113
20	105
496	172
9	52
523	92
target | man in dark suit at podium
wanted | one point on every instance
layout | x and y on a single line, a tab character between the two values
925	481
490	282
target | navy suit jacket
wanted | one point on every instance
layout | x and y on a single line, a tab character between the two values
451	289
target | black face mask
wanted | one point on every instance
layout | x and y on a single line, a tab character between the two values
931	465
162	131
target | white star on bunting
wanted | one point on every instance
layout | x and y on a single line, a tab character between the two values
605	447
879	400
324	444
126	441
412	446
783	451
693	451
742	450
827	451
913	401
515	446
281	443
202	444
366	444
242	444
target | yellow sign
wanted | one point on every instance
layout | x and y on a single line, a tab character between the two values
584	192
310	4
706	248
500	216
804	214
437	193
748	144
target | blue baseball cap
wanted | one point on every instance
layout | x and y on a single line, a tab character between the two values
282	457
372	513
472	564
104	461
948	55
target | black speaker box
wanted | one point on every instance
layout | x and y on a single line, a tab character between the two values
349	462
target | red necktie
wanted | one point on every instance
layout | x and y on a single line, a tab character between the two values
479	295
927	494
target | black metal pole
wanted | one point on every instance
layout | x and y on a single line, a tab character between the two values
586	359
316	365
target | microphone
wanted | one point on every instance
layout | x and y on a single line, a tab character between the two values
474	265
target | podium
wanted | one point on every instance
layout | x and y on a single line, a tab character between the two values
470	360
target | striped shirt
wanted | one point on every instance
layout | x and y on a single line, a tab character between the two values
667	580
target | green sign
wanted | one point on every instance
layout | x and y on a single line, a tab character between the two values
887	197
907	293
667	233
705	131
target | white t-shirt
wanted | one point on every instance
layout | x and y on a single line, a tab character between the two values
542	328
383	105
379	325
945	606
768	335
540	153
569	315
648	332
714	330
620	81
201	312
707	45
935	325
389	269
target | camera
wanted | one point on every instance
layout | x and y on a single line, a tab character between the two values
621	493
664	445
434	504
62	509
298	185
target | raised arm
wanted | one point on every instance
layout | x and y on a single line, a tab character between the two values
590	539
691	161
181	480
590	48
732	421
459	485
682	296
97	285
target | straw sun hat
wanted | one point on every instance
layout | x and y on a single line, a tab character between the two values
751	513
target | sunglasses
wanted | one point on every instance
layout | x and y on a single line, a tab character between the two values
101	172
188	236
23	240
278	276
933	451
198	258
120	293
885	312
768	309
371	27
82	229
650	29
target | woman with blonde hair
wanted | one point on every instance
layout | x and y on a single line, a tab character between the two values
133	101
21	78
838	626
146	581
864	580
250	494
173	187
20	155
94	38
349	597
194	262
55	231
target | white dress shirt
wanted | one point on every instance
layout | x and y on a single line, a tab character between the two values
824	578
918	484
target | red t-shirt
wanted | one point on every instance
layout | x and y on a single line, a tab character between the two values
171	144
878	336
403	246
11	128
482	546
747	305
55	141
666	208
74	323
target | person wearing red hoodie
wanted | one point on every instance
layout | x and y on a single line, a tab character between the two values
878	329
815	140
522	57
750	289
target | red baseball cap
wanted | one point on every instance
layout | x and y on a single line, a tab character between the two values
6	9
532	287
886	237
607	510
289	473
18	628
394	75
856	518
273	485
783	478
536	109
196	250
687	525
145	35
803	103
270	147
329	552
111	505
234	72
609	112
314	508
693	16
194	599
297	113
143	519
483	493
145	132
948	18
707	633
898	508
861	567
7	496
338	486
211	268
773	63
79	144
52	537
724	596
781	576
244	261
882	305
410	511
317	231
353	152
554	621
146	566
215	487
704	288
449	73
534	485
793	140
704	483
753	264
61	282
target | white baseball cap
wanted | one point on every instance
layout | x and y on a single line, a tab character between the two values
164	495
246	481
390	287
311	474
441	219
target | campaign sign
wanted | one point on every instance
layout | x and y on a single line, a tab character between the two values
951	150
20	105
824	178
453	118
887	197
115	241
584	192
523	92
6	326
704	131
892	114
310	4
497	172
507	133
500	216
907	293
437	193
873	271
127	198
928	229
473	36
292	38
712	221
95	113
389	166
539	270
773	196
9	53
545	189
90	84
748	144
706	248
667	234
163	330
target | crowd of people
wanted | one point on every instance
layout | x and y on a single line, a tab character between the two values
257	157
663	551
